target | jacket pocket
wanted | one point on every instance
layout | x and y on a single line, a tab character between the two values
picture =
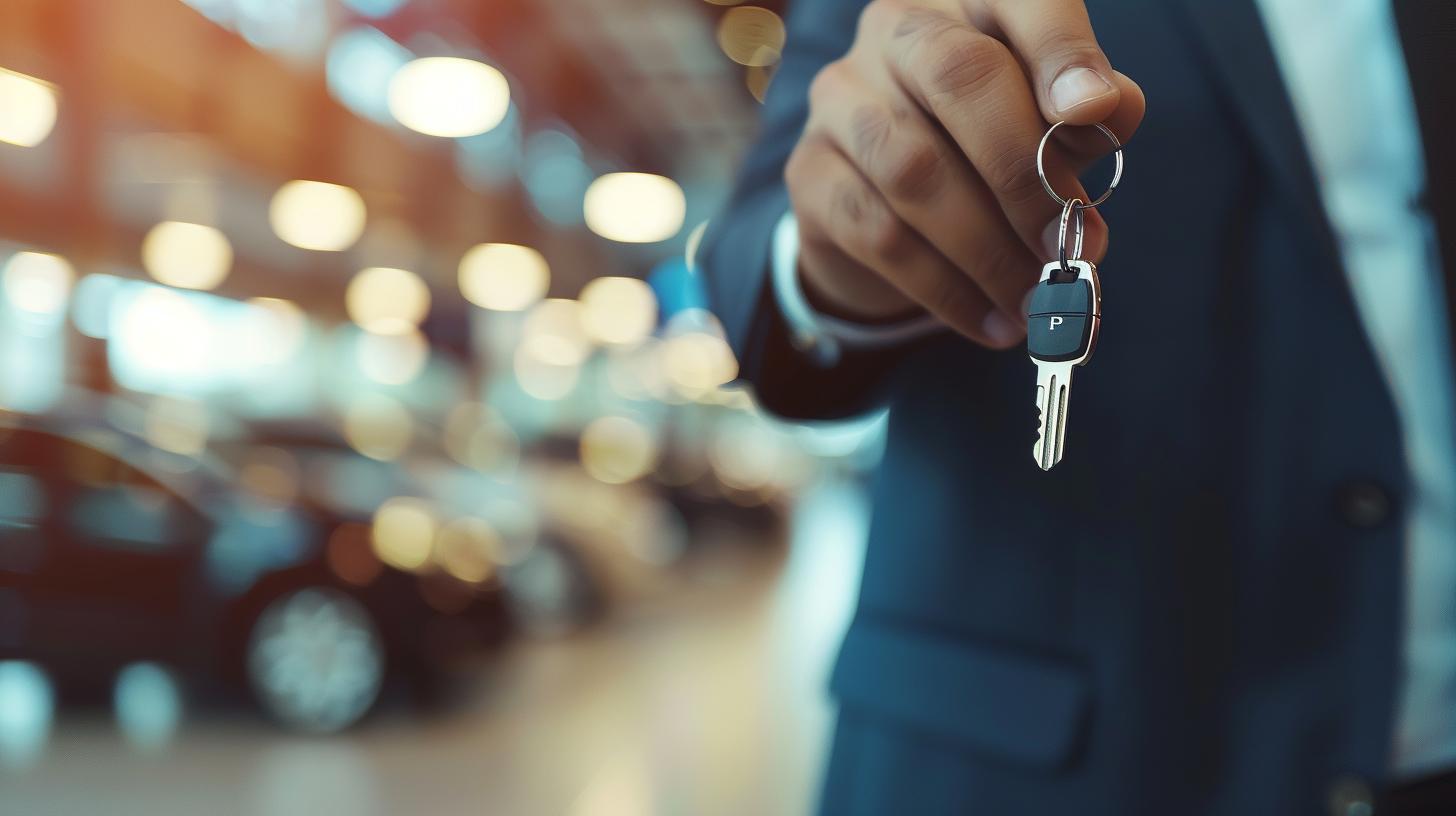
1025	708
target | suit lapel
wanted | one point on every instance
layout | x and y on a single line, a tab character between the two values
1232	37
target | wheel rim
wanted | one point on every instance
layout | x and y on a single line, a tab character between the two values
315	660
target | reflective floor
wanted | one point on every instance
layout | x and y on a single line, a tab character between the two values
709	700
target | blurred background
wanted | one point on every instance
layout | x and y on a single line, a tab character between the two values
365	444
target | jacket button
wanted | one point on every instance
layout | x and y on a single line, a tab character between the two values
1364	503
1351	796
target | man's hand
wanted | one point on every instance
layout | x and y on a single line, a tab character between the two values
915	181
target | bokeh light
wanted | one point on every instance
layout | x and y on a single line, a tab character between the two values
449	96
190	256
27	709
28	108
404	532
751	35
467	549
378	427
317	215
636	208
391	359
617	450
618	311
147	700
696	357
477	437
553	333
38	282
385	300
503	277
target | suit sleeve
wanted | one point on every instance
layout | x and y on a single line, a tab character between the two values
735	254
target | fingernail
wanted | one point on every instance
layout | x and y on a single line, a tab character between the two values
1078	86
1000	329
1049	248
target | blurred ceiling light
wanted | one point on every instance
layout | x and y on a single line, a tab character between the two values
617	450
317	215
468	548
277	329
177	424
391	359
751	35
38	282
189	256
378	427
504	277
553	333
28	108
618	311
385	300
639	208
449	96
404	532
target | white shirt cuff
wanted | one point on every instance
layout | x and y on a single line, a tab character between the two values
818	335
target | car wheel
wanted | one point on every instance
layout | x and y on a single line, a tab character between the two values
315	660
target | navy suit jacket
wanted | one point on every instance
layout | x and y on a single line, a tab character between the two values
1199	610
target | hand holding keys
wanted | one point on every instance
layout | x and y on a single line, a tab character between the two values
1064	315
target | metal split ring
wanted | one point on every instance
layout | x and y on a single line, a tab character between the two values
1047	185
1071	211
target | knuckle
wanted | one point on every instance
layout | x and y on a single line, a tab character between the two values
959	63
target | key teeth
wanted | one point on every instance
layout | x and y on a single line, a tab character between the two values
1038	448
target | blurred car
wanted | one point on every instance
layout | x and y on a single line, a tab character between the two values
114	551
499	533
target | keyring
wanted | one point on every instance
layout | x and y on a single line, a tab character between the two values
1047	185
1068	209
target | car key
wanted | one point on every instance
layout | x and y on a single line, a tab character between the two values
1064	312
1063	318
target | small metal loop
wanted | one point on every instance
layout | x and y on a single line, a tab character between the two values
1071	211
1116	173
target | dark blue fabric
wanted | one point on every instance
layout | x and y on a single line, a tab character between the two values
1196	629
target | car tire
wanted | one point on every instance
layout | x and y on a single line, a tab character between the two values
315	660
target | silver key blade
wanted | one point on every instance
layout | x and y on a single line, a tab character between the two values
1053	391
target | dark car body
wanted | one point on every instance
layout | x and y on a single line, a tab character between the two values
113	551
